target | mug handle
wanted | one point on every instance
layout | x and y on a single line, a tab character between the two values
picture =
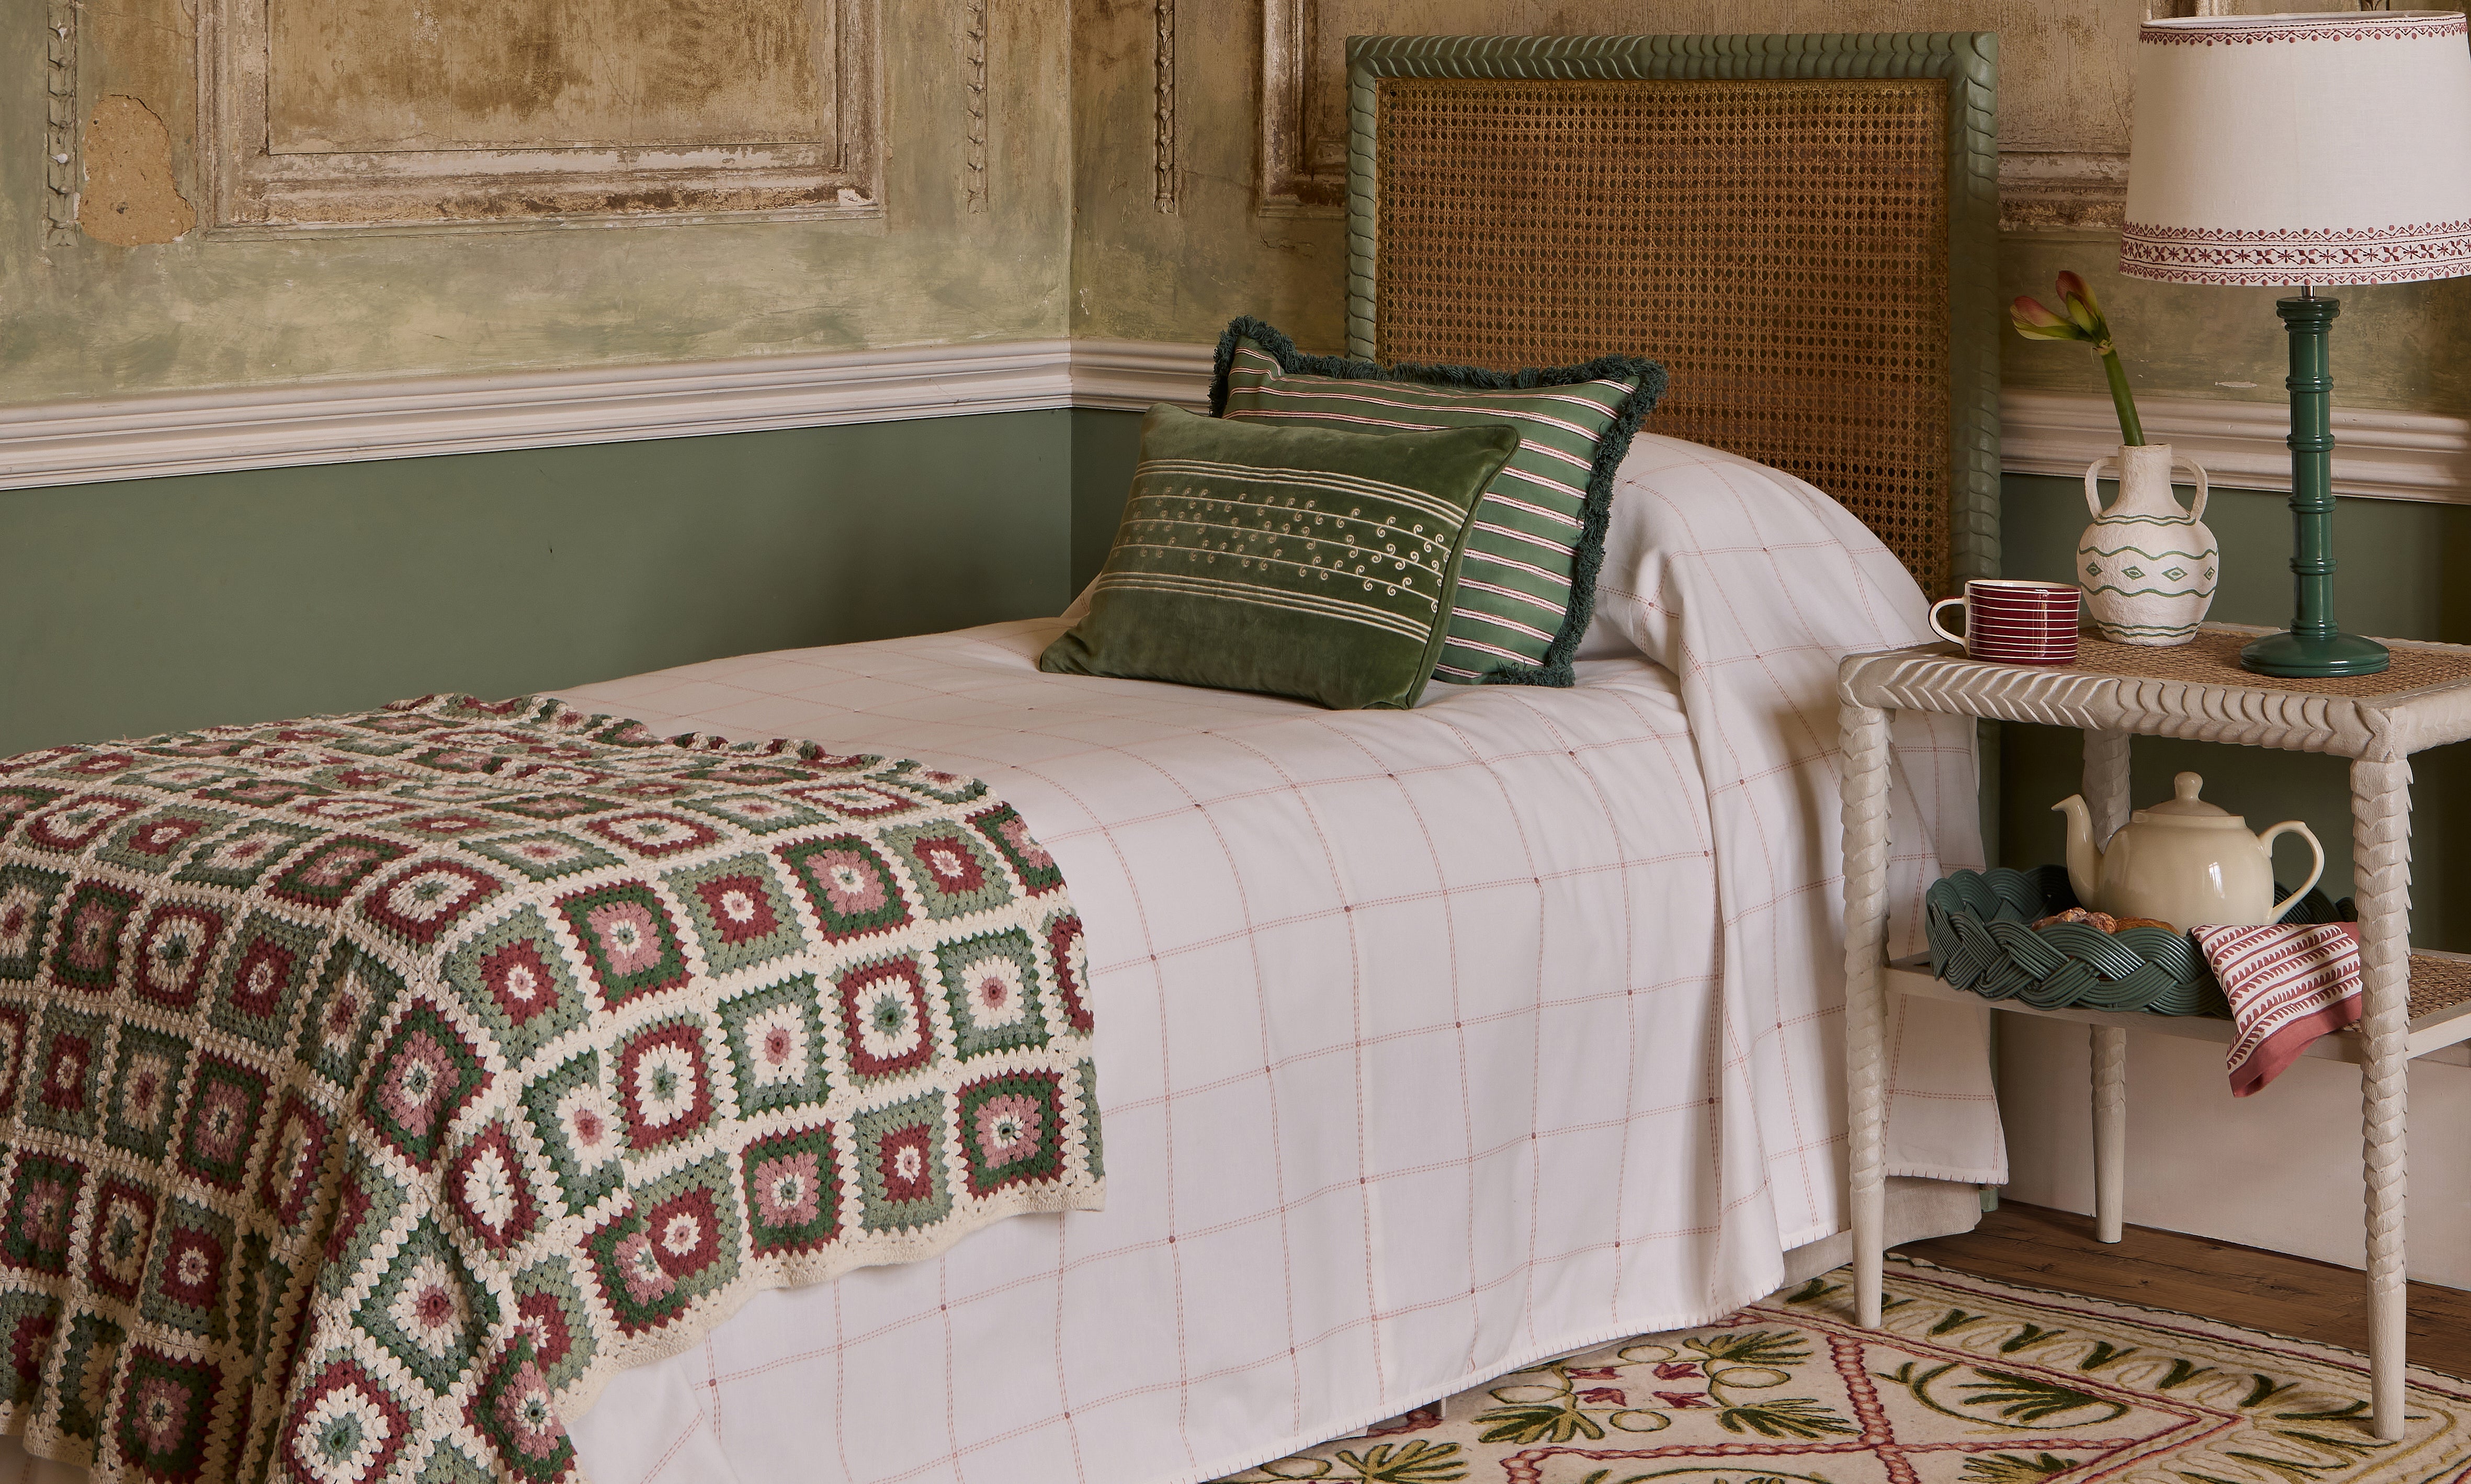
2093	492
1941	629
2294	826
2197	512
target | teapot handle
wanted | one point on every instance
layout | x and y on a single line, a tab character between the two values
2293	827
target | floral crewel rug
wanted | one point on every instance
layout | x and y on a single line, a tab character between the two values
1967	1381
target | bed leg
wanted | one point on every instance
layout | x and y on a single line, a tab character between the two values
1866	923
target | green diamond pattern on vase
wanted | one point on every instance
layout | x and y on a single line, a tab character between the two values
513	975
903	1182
776	1054
740	913
375	1079
628	940
990	985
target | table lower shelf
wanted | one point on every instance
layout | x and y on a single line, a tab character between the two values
2440	1010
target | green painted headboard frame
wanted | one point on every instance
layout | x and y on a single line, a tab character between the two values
1876	131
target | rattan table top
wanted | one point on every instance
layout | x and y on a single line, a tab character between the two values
2212	658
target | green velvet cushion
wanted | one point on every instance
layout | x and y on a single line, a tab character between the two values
1296	562
1529	586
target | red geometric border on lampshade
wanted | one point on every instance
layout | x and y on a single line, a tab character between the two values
2326	149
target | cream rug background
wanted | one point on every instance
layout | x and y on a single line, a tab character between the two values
1970	1381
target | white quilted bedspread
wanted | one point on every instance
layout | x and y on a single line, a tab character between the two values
1429	1043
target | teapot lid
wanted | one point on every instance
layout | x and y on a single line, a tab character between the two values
2184	808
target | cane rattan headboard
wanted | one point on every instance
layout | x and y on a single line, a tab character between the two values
1801	227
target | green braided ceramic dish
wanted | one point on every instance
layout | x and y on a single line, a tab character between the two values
1982	938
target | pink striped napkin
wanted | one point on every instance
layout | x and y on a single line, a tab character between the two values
2288	985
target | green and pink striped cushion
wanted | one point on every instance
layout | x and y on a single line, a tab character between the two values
1528	579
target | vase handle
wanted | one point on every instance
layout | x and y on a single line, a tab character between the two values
2093	491
2197	512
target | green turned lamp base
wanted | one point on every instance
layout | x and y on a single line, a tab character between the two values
2303	658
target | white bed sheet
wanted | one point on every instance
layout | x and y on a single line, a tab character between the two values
1416	1056
1429	1043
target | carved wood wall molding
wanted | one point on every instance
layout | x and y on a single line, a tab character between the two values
1302	165
974	85
1165	81
60	164
293	141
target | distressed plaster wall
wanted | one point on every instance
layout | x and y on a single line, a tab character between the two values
83	317
1144	275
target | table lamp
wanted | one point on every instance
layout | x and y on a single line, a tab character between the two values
2299	150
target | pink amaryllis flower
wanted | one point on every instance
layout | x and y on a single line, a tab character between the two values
2081	319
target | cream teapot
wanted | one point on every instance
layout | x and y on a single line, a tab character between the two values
2183	861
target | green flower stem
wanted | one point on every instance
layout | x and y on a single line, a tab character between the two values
2132	430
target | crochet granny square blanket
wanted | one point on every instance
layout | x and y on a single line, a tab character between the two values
373	1086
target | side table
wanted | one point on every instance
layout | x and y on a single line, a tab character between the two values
2411	1003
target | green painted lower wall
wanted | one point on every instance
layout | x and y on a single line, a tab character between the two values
153	604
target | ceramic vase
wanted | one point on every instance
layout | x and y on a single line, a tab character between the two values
2147	564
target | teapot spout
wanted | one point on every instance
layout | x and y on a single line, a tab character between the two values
2084	860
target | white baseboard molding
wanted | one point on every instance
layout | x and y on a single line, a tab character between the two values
2392	456
2377	454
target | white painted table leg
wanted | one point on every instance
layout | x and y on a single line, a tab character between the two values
1866	927
2380	876
2105	791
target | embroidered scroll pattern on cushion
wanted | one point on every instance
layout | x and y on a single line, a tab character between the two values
373	1086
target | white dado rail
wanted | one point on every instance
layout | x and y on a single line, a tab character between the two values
2395	456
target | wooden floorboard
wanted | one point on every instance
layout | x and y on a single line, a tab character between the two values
2197	1275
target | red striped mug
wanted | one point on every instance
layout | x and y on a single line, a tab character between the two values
2009	621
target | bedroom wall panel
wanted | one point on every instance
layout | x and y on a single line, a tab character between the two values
89	316
145	605
1255	130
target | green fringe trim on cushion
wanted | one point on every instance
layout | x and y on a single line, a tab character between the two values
1587	557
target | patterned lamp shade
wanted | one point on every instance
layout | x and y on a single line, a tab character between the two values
2326	149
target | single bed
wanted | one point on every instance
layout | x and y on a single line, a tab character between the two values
1433	1042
